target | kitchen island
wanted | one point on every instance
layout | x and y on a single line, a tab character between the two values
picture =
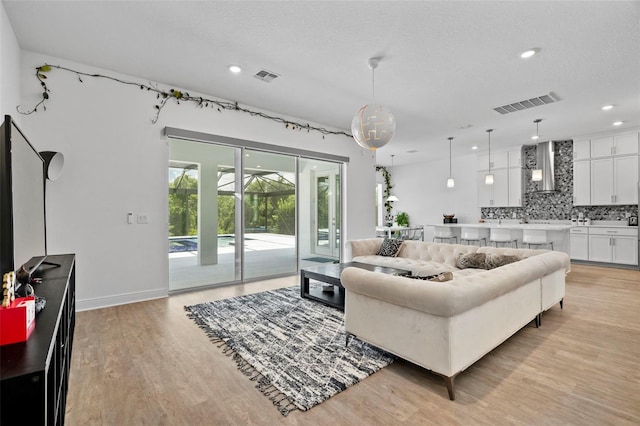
558	233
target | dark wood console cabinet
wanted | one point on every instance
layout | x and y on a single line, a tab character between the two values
35	374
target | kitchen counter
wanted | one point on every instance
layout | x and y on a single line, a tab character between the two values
520	226
556	232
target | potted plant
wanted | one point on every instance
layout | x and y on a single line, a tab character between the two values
403	219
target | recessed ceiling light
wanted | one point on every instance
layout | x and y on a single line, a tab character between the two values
474	147
235	69
528	53
617	123
535	137
607	107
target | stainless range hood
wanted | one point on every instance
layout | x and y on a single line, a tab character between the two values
545	159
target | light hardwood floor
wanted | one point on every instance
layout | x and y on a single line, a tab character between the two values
147	363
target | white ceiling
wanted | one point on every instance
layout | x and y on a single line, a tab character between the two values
445	65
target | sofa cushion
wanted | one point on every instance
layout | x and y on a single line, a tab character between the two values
390	247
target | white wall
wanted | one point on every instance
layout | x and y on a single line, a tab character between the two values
116	162
9	69
423	193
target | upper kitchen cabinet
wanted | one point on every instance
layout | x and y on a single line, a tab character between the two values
614	181
581	149
515	158
605	169
496	195
620	144
582	183
516	185
499	160
506	191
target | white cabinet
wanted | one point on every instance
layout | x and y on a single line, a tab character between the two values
581	149
515	157
621	144
499	160
515	186
625	180
579	243
496	195
506	190
625	144
612	177
581	183
613	245
614	180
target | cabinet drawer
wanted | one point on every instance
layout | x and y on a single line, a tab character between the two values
631	232
579	230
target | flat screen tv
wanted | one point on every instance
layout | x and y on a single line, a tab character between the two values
22	201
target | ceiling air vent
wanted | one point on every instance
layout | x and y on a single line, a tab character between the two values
528	103
266	76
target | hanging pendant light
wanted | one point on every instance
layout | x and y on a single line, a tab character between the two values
536	174
392	197
374	125
488	178
450	181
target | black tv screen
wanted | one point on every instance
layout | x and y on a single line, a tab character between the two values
22	195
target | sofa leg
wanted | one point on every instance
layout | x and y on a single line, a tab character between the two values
540	319
448	381
562	303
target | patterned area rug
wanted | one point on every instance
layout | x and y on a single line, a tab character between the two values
293	348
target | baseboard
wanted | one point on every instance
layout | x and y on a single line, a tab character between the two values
119	299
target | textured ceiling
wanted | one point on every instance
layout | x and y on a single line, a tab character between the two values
445	65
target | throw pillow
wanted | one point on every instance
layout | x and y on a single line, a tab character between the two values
390	247
498	260
471	260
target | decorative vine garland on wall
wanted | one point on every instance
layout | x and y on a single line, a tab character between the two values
387	187
164	96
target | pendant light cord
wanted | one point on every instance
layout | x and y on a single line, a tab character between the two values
450	139
373	85
489	131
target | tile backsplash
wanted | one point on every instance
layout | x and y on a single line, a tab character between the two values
557	205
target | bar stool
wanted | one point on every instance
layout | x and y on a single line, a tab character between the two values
502	236
444	233
473	234
536	237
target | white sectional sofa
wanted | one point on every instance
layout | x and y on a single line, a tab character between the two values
447	326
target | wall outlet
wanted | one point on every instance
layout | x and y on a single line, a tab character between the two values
143	218
130	218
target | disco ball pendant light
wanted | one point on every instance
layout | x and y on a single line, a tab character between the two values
374	125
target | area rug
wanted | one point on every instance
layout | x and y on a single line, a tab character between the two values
293	348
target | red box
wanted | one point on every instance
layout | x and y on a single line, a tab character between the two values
18	320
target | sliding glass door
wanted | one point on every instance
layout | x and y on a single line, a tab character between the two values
203	210
324	210
270	244
237	213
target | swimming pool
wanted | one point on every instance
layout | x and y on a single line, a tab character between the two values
181	244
